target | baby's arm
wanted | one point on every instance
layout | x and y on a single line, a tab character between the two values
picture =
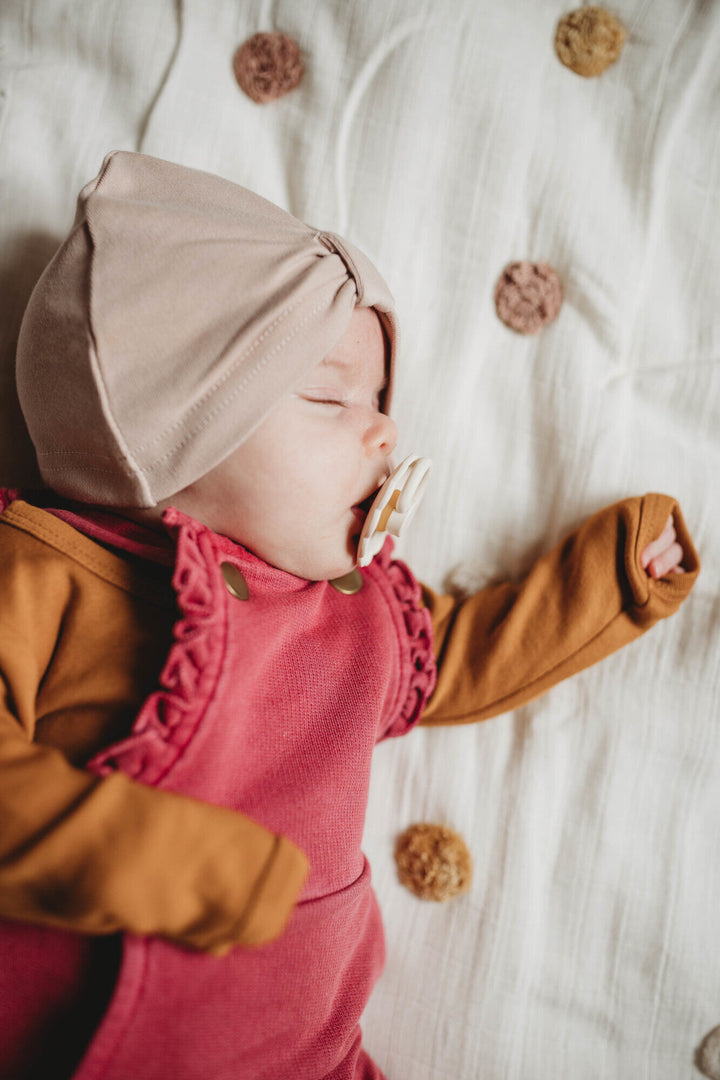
599	589
104	855
98	855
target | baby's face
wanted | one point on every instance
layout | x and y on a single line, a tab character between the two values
290	492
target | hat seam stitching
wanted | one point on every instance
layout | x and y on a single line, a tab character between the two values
227	401
61	469
206	419
228	374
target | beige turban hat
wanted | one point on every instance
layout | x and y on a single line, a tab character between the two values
177	313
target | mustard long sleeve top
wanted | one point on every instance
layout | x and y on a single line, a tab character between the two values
84	633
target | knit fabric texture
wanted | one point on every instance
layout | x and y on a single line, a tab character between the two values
301	771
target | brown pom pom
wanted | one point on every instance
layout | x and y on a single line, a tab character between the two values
589	40
267	66
433	862
528	296
708	1056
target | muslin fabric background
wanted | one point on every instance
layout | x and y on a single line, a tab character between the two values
446	140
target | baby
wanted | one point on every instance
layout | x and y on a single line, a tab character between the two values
194	669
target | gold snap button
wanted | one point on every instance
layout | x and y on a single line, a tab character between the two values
348	583
235	583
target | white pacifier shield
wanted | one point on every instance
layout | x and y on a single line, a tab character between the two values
393	506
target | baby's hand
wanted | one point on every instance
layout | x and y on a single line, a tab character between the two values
664	555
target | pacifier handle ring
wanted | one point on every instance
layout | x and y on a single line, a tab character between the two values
416	479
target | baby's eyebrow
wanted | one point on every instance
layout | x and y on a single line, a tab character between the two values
331	361
349	369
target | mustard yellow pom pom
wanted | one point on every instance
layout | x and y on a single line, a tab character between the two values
433	862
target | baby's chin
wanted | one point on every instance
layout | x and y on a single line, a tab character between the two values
319	561
316	566
327	570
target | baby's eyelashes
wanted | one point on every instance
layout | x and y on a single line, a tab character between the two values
325	398
340	398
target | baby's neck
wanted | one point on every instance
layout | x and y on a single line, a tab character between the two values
150	517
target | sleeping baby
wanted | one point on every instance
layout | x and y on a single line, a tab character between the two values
204	634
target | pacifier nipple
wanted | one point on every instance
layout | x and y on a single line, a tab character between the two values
393	506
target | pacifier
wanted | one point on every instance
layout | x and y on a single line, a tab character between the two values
393	506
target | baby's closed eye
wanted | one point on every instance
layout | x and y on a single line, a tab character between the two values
326	398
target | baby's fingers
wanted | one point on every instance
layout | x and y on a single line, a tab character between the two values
664	555
657	547
666	563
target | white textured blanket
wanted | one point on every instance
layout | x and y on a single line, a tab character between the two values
447	139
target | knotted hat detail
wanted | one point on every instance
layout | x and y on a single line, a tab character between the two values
179	310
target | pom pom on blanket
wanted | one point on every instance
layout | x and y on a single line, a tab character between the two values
267	66
528	296
708	1057
433	862
589	40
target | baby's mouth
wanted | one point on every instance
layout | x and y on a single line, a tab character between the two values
361	511
365	505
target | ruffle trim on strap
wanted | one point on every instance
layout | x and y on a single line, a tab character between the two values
170	716
420	671
7	496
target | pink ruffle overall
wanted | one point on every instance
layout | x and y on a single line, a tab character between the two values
271	706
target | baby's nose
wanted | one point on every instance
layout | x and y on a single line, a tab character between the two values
382	434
